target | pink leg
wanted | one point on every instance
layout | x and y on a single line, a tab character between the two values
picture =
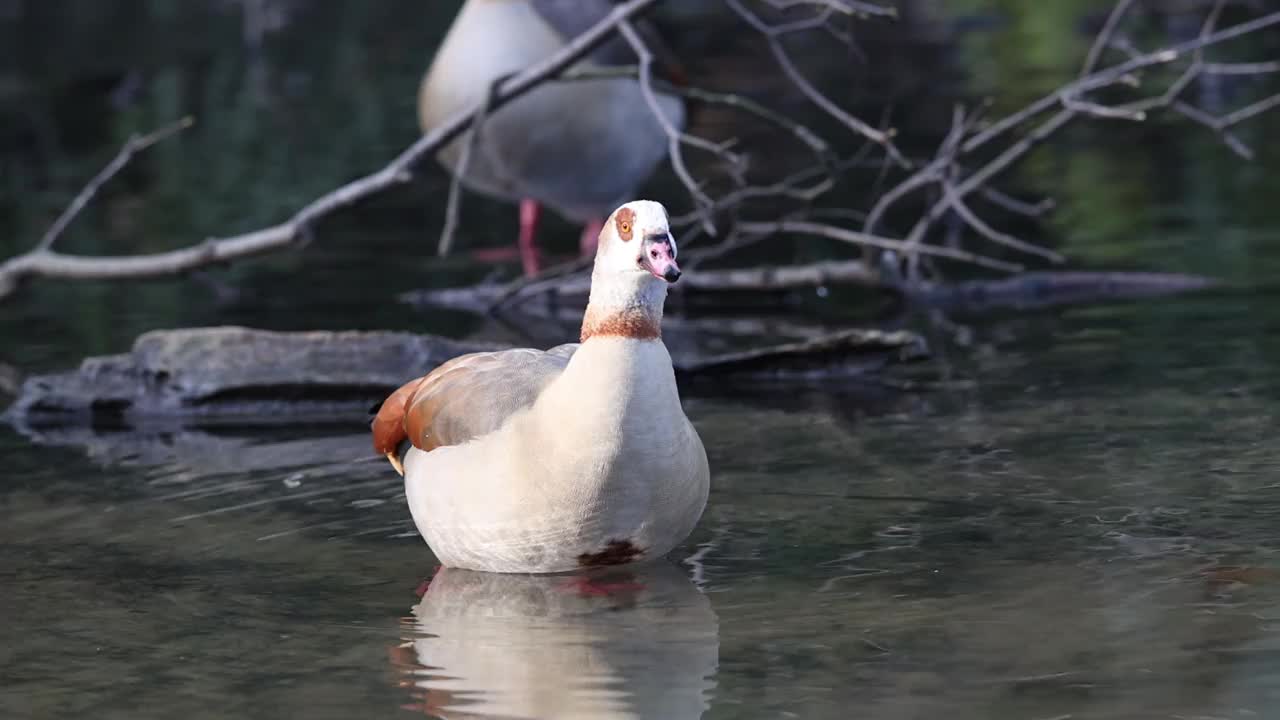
590	237
529	211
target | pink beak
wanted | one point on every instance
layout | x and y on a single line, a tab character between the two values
660	257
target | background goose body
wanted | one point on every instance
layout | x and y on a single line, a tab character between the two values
531	461
581	147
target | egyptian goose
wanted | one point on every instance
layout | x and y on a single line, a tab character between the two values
537	461
580	147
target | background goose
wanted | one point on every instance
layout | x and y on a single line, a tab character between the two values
532	461
580	147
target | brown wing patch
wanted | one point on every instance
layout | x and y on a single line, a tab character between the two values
423	406
466	397
624	220
388	424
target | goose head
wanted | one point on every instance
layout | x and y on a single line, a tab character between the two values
635	262
636	240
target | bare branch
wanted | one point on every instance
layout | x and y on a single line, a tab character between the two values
1257	68
952	173
1248	111
1103	111
996	166
1103	41
675	137
1115	74
1173	52
805	135
48	263
783	277
1222	125
1071	103
134	145
800	132
453	205
944	183
846	7
549	276
864	239
1014	205
773	35
957	203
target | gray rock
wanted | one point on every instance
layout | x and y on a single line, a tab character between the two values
235	374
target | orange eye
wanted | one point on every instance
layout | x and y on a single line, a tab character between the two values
623	222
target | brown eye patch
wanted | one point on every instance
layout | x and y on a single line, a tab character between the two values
625	218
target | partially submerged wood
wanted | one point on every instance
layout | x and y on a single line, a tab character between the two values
241	376
575	287
843	353
1039	290
1024	291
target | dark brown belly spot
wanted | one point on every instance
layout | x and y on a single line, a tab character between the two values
616	552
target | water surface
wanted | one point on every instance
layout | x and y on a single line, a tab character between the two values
1087	530
1079	521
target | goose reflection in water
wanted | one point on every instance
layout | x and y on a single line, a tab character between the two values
633	642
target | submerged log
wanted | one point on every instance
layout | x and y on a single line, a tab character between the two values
1039	290
574	288
241	376
1020	292
839	353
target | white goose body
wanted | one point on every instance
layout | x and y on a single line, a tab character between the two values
580	146
620	477
575	457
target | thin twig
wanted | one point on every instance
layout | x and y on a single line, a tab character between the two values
134	145
957	203
983	175
882	243
1071	105
453	206
802	133
676	138
1014	205
473	144
1103	40
1255	68
846	7
1103	78
772	34
521	285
